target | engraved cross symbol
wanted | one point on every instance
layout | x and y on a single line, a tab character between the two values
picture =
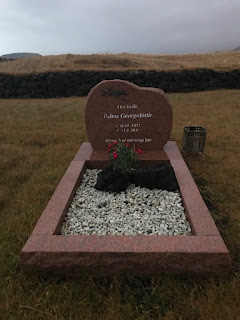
116	93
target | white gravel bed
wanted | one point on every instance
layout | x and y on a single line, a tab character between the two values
137	211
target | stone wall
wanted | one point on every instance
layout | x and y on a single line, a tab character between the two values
79	83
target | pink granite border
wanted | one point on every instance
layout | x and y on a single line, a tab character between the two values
54	213
46	252
125	255
201	221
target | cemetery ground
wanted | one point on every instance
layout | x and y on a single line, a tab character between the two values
38	139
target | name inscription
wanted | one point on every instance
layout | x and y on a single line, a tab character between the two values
128	128
127	115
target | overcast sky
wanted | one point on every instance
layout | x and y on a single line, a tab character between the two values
115	26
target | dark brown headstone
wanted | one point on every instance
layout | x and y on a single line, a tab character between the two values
120	110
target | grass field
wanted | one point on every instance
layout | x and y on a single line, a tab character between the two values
225	60
38	139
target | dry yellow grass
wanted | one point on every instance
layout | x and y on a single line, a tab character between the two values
226	60
38	139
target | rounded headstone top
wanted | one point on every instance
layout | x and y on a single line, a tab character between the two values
120	110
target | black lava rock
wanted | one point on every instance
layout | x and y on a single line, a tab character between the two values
112	179
161	176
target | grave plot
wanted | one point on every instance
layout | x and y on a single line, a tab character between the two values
120	111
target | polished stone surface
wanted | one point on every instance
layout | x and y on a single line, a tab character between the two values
121	110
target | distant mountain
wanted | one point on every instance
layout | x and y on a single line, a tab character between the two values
236	49
20	55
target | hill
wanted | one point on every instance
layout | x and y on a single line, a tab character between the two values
236	49
225	60
20	55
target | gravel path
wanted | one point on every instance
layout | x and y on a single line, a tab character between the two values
137	211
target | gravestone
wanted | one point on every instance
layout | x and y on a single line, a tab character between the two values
120	110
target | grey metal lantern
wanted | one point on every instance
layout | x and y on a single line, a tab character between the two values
193	139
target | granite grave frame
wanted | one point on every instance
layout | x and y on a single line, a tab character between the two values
48	253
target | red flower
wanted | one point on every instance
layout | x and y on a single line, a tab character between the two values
127	144
115	156
115	142
139	151
109	146
114	153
